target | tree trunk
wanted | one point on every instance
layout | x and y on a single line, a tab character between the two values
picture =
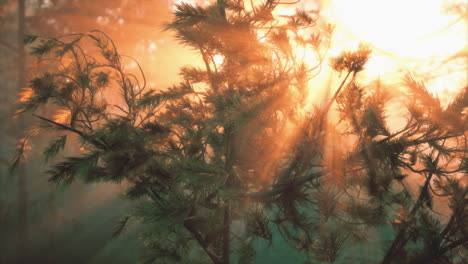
22	195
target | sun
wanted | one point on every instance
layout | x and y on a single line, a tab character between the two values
416	36
412	29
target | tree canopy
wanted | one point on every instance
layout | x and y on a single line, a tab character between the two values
234	152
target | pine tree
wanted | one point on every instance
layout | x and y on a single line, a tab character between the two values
205	158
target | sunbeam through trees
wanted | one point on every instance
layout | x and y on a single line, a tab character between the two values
246	152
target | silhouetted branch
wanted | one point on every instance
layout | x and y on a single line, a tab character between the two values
282	187
74	130
189	226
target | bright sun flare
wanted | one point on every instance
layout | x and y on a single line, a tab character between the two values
416	36
406	35
405	28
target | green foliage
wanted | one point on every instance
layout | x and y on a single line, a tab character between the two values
258	224
121	225
54	147
84	166
247	252
44	47
28	39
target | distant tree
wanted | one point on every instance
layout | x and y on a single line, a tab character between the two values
13	53
19	212
229	154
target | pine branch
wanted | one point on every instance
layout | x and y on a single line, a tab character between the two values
454	216
337	92
202	242
121	225
400	241
74	130
282	187
433	255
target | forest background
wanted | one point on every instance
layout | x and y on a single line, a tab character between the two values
41	223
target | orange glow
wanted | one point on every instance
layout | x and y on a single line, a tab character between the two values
62	116
405	35
25	95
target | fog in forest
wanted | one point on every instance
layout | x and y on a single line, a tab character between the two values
413	46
